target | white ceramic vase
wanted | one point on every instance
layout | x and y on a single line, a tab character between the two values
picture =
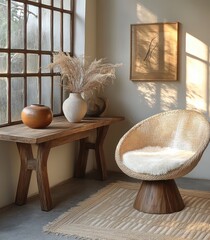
74	107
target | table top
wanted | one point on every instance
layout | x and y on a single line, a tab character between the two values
59	127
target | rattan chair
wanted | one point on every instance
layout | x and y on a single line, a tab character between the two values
177	139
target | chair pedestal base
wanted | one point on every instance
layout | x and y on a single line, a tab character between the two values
159	197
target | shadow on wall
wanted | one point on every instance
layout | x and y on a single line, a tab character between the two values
191	91
9	172
194	87
162	97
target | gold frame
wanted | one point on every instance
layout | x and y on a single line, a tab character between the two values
154	52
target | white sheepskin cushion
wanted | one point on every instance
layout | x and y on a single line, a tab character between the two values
155	160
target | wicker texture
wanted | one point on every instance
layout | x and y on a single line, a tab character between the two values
180	129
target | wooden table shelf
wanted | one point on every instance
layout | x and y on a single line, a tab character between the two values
59	132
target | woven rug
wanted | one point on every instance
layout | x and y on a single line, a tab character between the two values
109	215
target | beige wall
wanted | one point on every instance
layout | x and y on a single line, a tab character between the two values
135	101
61	159
139	100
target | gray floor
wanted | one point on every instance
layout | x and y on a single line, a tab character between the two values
26	222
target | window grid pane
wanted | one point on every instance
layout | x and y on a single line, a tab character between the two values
56	30
3	62
32	27
46	91
46	29
67	32
17	25
17	98
17	62
57	95
3	100
32	90
4	24
30	32
32	63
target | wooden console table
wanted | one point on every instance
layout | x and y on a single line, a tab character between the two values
59	132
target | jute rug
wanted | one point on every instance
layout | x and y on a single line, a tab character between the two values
109	215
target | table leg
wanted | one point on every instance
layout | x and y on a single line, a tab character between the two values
28	163
42	177
26	156
82	158
99	153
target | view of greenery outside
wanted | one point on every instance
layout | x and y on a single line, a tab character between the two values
27	41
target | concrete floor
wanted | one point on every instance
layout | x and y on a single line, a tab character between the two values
26	222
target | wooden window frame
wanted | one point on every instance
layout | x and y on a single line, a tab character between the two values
9	75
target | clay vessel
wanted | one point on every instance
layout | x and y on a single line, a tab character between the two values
74	107
96	106
36	116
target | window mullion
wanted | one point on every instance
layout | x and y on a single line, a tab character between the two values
52	47
25	56
40	59
8	60
61	27
61	41
72	27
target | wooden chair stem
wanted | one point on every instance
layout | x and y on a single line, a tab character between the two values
159	197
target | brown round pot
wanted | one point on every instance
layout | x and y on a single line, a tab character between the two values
36	116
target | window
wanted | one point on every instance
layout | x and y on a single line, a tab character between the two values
30	32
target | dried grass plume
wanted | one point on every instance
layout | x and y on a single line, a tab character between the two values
79	75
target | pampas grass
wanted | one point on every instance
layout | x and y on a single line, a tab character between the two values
78	75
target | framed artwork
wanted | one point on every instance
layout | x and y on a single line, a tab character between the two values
154	52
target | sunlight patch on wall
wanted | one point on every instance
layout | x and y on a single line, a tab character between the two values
168	96
196	48
196	84
196	73
148	92
144	14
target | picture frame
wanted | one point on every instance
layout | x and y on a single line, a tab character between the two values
154	52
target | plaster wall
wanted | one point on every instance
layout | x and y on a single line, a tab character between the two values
139	100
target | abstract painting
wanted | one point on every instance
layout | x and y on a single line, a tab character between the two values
154	52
